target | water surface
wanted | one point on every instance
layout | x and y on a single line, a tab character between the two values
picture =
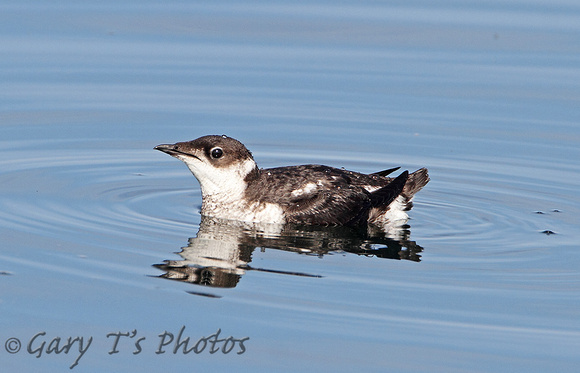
94	221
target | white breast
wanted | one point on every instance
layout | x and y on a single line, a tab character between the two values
243	211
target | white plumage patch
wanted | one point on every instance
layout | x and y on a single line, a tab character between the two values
395	214
227	182
306	189
222	190
253	212
370	188
263	212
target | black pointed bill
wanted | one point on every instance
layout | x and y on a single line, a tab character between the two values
173	150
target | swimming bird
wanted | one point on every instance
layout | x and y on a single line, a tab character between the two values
233	187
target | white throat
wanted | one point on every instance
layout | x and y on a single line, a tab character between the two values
221	184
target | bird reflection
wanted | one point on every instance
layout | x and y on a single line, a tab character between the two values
221	252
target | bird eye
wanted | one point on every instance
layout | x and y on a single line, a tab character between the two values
216	153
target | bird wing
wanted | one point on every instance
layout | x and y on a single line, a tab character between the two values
346	206
321	195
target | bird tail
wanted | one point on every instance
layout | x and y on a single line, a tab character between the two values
391	203
415	182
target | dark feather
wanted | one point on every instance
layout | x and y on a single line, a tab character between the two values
386	172
349	207
387	194
341	197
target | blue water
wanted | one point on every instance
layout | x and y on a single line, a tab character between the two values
485	95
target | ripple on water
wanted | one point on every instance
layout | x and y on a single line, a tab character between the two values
471	204
476	230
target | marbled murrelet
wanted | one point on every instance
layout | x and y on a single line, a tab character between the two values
233	187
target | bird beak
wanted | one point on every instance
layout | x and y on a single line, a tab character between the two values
167	148
173	150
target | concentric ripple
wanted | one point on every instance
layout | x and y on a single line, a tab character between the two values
94	191
134	193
